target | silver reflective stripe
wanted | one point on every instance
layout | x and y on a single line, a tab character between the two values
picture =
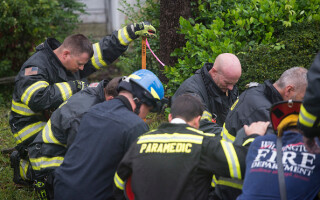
29	131
306	119
24	168
32	89
225	137
232	159
118	181
123	36
176	137
65	90
21	109
47	135
44	162
97	58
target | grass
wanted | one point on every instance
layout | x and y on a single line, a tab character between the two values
11	191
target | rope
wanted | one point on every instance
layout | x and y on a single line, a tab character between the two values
154	53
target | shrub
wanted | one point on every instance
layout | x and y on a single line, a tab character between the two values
232	26
26	23
297	46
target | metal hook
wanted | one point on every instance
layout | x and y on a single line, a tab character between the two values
290	103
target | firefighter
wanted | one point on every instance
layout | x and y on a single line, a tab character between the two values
176	160
310	110
253	105
214	84
105	133
47	151
54	73
300	170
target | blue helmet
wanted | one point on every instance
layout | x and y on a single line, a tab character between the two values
148	81
146	86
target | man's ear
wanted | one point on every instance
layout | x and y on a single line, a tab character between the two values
288	91
169	117
109	97
65	53
197	122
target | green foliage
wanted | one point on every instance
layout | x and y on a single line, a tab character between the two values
9	190
26	23
147	11
231	26
297	46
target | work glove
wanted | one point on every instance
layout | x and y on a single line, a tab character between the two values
79	85
143	29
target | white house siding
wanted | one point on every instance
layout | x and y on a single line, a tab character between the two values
103	17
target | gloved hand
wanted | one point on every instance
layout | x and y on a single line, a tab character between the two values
80	85
144	29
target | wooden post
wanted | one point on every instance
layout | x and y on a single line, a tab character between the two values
143	53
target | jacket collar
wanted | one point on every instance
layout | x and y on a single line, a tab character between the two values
210	85
272	93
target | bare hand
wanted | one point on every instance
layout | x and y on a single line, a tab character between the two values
311	145
259	128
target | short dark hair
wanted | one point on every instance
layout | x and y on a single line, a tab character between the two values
78	44
187	107
111	88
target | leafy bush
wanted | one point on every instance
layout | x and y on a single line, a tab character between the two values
297	46
232	26
141	11
26	23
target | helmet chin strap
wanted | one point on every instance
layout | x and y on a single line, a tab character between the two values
138	105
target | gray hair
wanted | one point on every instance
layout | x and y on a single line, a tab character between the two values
295	76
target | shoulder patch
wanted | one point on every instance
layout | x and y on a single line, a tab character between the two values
94	84
252	84
31	71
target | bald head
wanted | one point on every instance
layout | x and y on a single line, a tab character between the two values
226	71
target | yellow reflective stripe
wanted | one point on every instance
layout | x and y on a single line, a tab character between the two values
134	76
232	158
176	137
234	104
48	137
26	96
45	162
154	93
21	109
201	132
214	181
206	116
305	118
65	90
23	169
230	183
97	59
248	141
118	181
29	131
226	135
123	37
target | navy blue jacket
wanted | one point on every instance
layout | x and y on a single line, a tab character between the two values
104	135
301	169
